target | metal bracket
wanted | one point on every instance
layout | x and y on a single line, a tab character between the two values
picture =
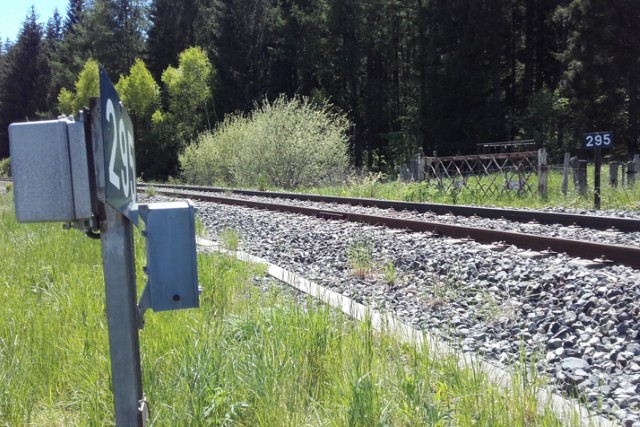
143	408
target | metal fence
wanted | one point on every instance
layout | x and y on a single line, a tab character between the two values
517	174
494	174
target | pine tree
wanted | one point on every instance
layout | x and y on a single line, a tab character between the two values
242	52
74	14
73	50
601	69
53	38
464	61
343	75
172	29
131	24
24	88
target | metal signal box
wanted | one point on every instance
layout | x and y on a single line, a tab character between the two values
172	264
50	171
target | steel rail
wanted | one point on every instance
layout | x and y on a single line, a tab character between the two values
624	255
518	215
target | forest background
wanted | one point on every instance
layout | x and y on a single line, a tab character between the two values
430	75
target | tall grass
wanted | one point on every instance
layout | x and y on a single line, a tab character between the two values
377	186
245	358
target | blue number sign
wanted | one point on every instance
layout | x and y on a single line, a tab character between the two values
593	140
119	153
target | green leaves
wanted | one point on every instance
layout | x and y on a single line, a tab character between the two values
139	91
87	85
189	91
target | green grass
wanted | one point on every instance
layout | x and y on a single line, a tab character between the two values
245	358
230	239
360	256
376	186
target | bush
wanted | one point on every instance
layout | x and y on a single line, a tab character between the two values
286	143
5	168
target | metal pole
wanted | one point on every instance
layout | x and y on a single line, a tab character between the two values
596	184
118	261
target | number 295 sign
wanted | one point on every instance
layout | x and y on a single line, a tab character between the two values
119	153
593	140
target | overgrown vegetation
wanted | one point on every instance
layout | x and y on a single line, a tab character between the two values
286	143
244	358
5	168
378	186
229	239
360	255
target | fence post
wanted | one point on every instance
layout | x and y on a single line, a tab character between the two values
565	173
623	174
419	168
631	173
613	174
542	173
582	177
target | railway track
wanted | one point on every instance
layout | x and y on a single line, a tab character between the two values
518	215
593	253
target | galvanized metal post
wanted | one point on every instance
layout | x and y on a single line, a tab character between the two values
122	317
596	179
116	235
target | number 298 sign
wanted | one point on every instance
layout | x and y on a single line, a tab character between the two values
119	152
593	140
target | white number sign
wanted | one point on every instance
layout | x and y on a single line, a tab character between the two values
595	140
119	151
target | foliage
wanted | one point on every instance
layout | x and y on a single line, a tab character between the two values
161	157
439	75
87	85
390	273
139	91
5	168
189	92
360	256
141	96
173	28
546	111
288	143
229	239
24	77
66	101
113	31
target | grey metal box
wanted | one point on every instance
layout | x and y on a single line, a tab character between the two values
50	171
172	265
